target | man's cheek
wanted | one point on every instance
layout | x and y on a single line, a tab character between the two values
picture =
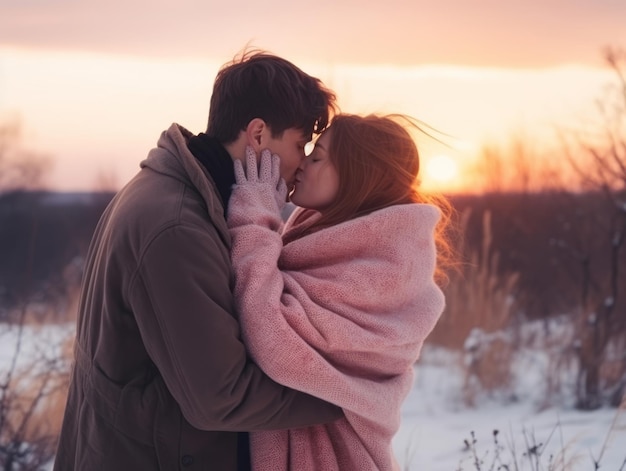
287	171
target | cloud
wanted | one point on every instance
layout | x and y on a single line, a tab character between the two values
486	32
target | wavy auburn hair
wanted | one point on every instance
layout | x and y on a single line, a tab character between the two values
378	164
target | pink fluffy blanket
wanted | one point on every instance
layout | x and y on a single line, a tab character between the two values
340	314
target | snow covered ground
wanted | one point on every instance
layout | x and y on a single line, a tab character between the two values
436	423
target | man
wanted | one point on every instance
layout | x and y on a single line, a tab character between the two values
161	379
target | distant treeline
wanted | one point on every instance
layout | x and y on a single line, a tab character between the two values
558	243
43	237
555	242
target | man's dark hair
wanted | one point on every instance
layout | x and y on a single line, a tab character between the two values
257	84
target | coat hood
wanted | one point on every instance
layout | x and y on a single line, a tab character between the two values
172	157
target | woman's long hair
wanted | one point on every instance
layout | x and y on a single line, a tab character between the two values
378	165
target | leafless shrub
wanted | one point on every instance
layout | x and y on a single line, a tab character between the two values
487	361
32	395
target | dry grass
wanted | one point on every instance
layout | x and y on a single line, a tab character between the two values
478	296
480	306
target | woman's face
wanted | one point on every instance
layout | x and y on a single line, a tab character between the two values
317	179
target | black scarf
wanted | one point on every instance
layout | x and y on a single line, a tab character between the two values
217	161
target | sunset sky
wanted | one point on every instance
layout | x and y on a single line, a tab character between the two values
93	83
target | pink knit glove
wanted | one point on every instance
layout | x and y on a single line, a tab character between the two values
258	194
269	173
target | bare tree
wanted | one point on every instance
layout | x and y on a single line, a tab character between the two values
20	169
490	169
516	167
598	155
106	181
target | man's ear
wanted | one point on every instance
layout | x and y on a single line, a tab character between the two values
256	132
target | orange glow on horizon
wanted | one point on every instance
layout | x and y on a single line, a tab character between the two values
101	114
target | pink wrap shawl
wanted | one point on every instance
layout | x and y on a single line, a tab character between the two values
340	314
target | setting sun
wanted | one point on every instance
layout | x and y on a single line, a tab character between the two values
441	170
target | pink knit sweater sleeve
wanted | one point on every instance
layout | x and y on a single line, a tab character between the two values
272	323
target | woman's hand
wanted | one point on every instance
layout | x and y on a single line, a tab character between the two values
259	195
267	174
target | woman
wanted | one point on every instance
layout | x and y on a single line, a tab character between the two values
338	302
